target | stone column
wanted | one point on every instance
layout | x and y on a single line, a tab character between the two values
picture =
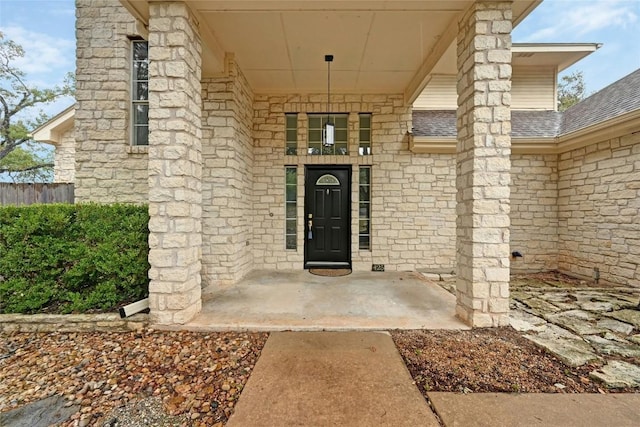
175	164
483	164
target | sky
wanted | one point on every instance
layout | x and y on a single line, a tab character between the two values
614	23
46	31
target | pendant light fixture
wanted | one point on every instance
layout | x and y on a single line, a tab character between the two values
329	128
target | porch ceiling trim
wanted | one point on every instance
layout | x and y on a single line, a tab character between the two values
422	76
434	145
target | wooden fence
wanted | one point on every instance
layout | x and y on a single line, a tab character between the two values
28	194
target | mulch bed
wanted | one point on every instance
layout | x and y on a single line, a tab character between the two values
488	360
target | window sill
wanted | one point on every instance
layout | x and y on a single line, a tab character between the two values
138	149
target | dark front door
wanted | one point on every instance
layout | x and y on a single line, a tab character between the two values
327	216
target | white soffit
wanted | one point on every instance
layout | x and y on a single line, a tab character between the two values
560	55
550	55
379	46
51	131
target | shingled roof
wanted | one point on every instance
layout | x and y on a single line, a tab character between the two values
614	100
524	124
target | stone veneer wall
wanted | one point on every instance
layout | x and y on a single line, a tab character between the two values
534	212
483	164
108	169
227	181
175	164
413	196
599	210
64	158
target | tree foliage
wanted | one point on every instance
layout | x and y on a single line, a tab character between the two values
20	113
571	90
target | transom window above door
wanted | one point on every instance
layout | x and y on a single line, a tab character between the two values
341	135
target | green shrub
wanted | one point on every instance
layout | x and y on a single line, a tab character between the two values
72	258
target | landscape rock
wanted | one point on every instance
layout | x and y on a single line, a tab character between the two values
523	321
578	321
617	374
562	300
615	325
596	306
540	306
613	347
41	413
628	316
569	348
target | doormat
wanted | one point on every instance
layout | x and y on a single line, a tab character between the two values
330	272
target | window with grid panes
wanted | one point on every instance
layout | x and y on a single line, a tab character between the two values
364	147
140	92
291	134
341	135
291	222
364	208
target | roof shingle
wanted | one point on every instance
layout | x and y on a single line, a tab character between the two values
618	98
614	100
524	124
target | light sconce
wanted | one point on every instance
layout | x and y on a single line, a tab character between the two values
328	132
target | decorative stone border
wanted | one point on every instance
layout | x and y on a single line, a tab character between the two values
105	322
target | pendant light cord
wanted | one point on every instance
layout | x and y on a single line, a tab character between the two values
328	59
328	89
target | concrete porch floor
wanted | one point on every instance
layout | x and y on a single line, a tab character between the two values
300	301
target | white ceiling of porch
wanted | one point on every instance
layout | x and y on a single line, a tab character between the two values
379	46
370	48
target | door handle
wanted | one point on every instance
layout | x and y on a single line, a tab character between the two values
310	234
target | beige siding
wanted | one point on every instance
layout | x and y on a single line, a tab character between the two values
439	94
531	89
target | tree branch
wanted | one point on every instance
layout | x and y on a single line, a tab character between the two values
10	146
6	120
27	169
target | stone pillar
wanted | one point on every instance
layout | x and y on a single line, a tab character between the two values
175	164
483	164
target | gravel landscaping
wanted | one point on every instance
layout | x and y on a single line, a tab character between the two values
194	379
163	378
156	378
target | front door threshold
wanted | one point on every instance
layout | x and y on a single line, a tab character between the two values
326	264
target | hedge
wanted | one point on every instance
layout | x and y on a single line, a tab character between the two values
62	258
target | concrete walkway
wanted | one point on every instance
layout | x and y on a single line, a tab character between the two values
301	301
537	409
331	379
359	379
